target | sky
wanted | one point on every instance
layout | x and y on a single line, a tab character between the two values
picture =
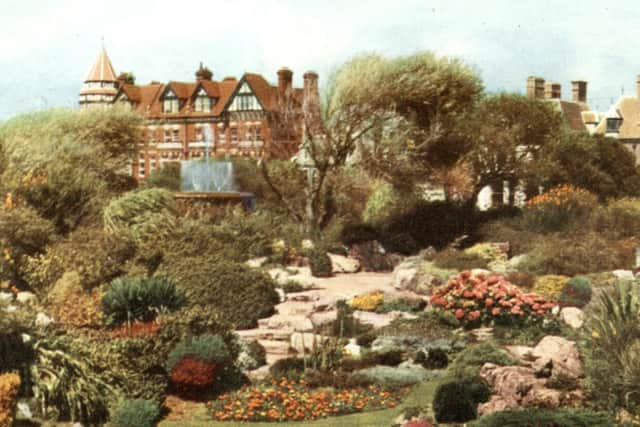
47	47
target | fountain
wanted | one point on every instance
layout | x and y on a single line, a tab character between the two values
208	185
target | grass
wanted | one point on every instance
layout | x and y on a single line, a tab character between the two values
421	395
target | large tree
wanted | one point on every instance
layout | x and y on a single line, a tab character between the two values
506	135
395	114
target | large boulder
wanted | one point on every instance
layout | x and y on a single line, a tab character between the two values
343	264
572	316
559	353
373	257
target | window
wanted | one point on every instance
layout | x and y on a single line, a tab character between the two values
234	135
176	135
170	103
168	135
258	133
203	104
199	134
613	124
221	135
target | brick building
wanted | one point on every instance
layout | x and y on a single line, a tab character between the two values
246	117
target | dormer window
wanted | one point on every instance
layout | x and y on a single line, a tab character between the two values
245	100
171	104
614	121
202	102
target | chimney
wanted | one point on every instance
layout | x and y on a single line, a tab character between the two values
311	104
285	77
535	87
638	86
203	73
579	91
552	90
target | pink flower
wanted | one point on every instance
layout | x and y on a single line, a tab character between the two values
473	315
488	302
459	314
467	294
495	311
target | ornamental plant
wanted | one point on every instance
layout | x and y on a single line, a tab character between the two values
135	413
193	363
559	208
288	400
576	293
550	285
9	385
368	302
476	299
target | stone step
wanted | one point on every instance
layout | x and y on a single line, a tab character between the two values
266	334
279	321
276	347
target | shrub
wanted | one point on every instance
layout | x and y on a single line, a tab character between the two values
345	325
252	355
610	347
287	367
457	401
320	263
135	413
477	355
78	309
546	418
459	260
575	255
391	378
559	209
408	305
9	386
619	219
134	298
433	358
513	230
550	285
478	299
358	233
193	362
225	286
576	293
487	251
521	279
167	177
367	302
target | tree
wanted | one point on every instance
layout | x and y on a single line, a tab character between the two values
598	164
392	114
506	135
66	164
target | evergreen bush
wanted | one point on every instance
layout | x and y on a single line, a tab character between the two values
576	293
456	401
546	418
320	263
135	413
193	363
140	299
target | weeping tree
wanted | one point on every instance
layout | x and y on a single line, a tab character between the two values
393	116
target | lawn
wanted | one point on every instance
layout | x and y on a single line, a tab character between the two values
421	395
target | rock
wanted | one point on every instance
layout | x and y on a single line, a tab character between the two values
6	297
301	275
572	316
306	342
480	272
482	334
516	261
26	297
343	264
324	317
43	320
562	353
373	257
521	353
623	274
257	262
379	320
281	294
353	349
404	275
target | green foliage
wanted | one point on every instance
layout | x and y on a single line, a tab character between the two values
530	333
206	348
619	219
22	234
144	216
68	385
459	260
224	286
456	401
67	163
434	358
15	354
610	348
512	230
576	293
559	209
574	254
391	378
407	305
253	355
131	299
473	357
135	413
546	418
550	286
167	177
345	325
287	367
320	263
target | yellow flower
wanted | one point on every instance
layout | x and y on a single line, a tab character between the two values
595	334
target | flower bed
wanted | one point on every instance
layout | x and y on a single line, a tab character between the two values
485	300
286	400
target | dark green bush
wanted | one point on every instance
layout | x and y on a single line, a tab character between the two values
135	413
477	355
434	358
457	401
546	418
365	339
206	348
292	286
576	293
240	294
133	298
409	305
458	260
358	233
619	219
167	177
513	230
287	367
320	263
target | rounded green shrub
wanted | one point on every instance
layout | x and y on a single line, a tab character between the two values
457	401
320	263
205	348
287	367
140	299
534	417
135	413
576	293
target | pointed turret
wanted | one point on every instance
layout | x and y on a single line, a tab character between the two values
101	85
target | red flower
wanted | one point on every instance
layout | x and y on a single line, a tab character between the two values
459	314
495	311
488	302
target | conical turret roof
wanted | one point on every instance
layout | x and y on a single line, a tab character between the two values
102	70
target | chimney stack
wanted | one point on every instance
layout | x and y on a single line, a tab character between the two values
311	104
638	86
285	78
579	91
552	90
535	87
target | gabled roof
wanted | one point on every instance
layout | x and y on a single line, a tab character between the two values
227	87
102	70
628	108
181	89
571	112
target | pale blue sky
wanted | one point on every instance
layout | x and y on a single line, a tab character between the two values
47	47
